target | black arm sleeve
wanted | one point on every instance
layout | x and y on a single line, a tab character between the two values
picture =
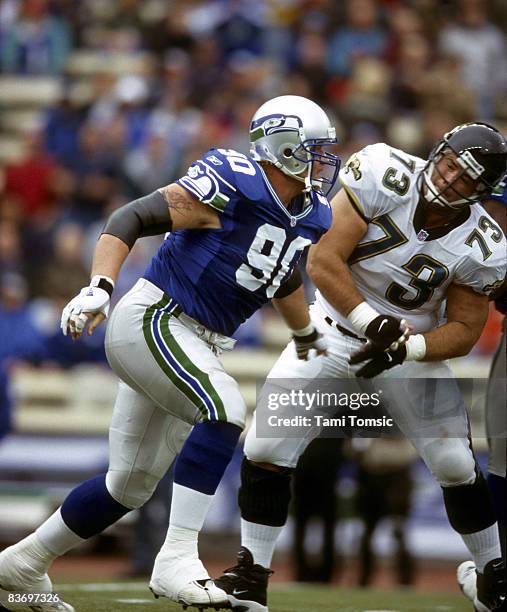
147	216
294	281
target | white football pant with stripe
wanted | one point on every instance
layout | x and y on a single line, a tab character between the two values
170	379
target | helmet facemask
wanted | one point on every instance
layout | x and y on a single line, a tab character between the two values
434	195
323	166
481	152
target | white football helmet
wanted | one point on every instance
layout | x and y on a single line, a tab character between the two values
291	132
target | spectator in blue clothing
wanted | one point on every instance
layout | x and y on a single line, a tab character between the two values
361	36
36	42
20	338
240	28
62	124
5	403
95	168
12	296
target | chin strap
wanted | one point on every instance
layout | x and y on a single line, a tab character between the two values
438	198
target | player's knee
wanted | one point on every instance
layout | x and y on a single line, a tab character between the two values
238	419
131	489
451	462
261	452
264	494
235	408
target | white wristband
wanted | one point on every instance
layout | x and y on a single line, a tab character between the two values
304	331
416	347
361	316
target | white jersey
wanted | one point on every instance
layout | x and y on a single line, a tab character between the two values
400	267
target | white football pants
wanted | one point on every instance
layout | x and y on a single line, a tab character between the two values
440	435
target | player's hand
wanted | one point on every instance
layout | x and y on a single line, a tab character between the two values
92	304
386	331
377	360
314	341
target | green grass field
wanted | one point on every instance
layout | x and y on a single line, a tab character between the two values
134	597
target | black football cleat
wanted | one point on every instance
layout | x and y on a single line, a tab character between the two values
246	584
491	588
485	590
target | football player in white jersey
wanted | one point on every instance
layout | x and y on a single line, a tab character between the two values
408	239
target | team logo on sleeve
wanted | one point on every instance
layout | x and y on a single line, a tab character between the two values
353	164
203	182
487	289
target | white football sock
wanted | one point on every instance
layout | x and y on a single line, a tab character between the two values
188	511
483	545
181	540
33	554
189	507
260	541
56	536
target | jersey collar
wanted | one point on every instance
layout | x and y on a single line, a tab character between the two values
437	232
293	218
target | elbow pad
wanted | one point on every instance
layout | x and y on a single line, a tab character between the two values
146	216
294	281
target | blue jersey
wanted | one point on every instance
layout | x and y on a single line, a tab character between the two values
220	277
500	195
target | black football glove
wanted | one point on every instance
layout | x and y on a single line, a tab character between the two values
304	344
378	360
386	331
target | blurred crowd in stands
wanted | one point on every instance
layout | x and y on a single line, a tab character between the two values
146	86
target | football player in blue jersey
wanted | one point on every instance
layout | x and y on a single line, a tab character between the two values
238	225
496	413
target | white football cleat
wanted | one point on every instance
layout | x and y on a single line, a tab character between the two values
467	579
185	581
18	577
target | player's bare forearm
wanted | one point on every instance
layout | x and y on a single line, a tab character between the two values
327	260
333	279
110	253
448	341
467	312
294	309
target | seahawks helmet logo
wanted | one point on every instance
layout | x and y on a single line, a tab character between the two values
273	124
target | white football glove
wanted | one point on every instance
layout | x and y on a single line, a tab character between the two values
91	303
311	343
